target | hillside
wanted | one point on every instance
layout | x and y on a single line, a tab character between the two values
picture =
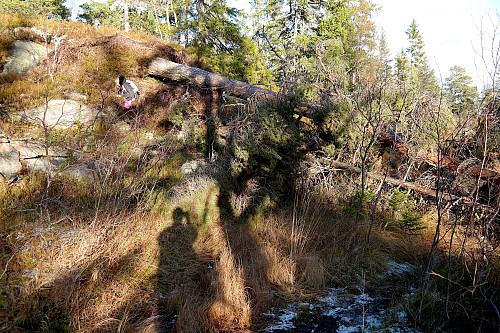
198	211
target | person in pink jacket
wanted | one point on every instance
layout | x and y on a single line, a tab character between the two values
127	89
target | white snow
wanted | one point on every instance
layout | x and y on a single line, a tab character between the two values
352	312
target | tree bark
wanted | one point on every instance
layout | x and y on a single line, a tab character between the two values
191	75
125	18
201	7
408	185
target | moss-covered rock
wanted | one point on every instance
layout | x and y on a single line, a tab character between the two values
25	55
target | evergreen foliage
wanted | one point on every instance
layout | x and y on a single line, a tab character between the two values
101	13
405	213
459	91
421	75
50	8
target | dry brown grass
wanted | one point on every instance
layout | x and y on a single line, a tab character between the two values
82	269
126	251
136	271
231	308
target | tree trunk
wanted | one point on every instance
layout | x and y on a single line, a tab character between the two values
157	22
190	75
399	182
125	16
175	15
201	8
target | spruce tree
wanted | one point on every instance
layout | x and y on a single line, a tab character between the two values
402	68
384	55
421	75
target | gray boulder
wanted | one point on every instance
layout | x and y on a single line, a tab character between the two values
193	167
17	155
61	114
25	55
10	164
218	168
33	157
81	170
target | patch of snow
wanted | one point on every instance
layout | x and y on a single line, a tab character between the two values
344	329
285	319
346	311
352	313
400	268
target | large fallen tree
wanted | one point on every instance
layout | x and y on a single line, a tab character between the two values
398	182
172	71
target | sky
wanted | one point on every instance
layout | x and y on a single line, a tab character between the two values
450	30
73	5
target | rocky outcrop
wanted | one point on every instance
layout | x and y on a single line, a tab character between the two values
25	55
10	164
82	170
19	155
61	114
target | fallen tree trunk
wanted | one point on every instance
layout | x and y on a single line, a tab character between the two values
405	184
191	75
173	71
450	163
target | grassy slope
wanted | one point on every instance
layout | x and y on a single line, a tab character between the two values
138	247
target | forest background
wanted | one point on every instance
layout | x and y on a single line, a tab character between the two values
285	221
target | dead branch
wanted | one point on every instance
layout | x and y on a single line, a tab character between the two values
409	185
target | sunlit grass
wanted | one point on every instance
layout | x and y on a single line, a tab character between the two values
140	247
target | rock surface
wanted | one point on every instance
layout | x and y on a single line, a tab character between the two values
10	164
25	55
17	155
61	114
33	156
83	170
192	167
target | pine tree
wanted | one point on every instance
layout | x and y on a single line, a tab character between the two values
50	8
351	32
402	69
267	31
459	91
384	55
101	13
290	33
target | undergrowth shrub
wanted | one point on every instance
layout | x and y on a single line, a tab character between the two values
6	43
468	301
334	122
358	205
16	21
404	212
269	142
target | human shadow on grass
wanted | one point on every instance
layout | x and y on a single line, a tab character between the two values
182	278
